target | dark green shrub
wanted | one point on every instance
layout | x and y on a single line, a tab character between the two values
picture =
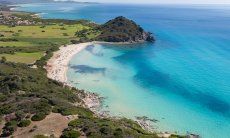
41	106
72	110
3	97
7	131
63	28
118	132
65	34
20	115
38	117
68	111
24	123
8	39
73	123
43	26
7	109
11	123
74	41
3	60
70	134
104	130
9	128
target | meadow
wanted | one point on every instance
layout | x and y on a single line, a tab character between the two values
29	43
28	58
43	31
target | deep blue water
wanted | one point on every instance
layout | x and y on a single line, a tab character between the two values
182	80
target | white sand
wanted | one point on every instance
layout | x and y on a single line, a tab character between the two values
57	66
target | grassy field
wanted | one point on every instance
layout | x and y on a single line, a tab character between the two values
30	42
48	31
27	58
16	44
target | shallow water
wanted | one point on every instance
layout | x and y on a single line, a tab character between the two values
182	80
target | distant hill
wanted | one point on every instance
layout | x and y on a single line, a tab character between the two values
4	2
22	1
122	29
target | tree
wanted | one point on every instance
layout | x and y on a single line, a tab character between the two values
38	117
70	134
3	60
20	115
1	35
24	123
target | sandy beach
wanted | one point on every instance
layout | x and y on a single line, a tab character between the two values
57	66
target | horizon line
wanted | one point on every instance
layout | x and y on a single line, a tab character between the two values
165	3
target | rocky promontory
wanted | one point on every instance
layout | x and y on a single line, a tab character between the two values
118	30
122	29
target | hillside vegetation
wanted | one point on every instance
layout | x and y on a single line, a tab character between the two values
119	29
27	95
122	29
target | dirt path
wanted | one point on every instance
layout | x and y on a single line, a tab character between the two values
53	124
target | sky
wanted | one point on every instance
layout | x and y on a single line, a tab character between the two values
159	1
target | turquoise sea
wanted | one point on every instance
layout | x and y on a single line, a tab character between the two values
182	80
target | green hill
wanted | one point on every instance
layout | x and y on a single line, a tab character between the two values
119	29
122	29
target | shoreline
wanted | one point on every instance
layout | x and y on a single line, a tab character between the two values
57	67
60	58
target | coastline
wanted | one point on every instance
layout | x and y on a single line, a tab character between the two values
77	78
57	67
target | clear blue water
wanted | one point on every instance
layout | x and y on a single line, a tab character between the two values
182	80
